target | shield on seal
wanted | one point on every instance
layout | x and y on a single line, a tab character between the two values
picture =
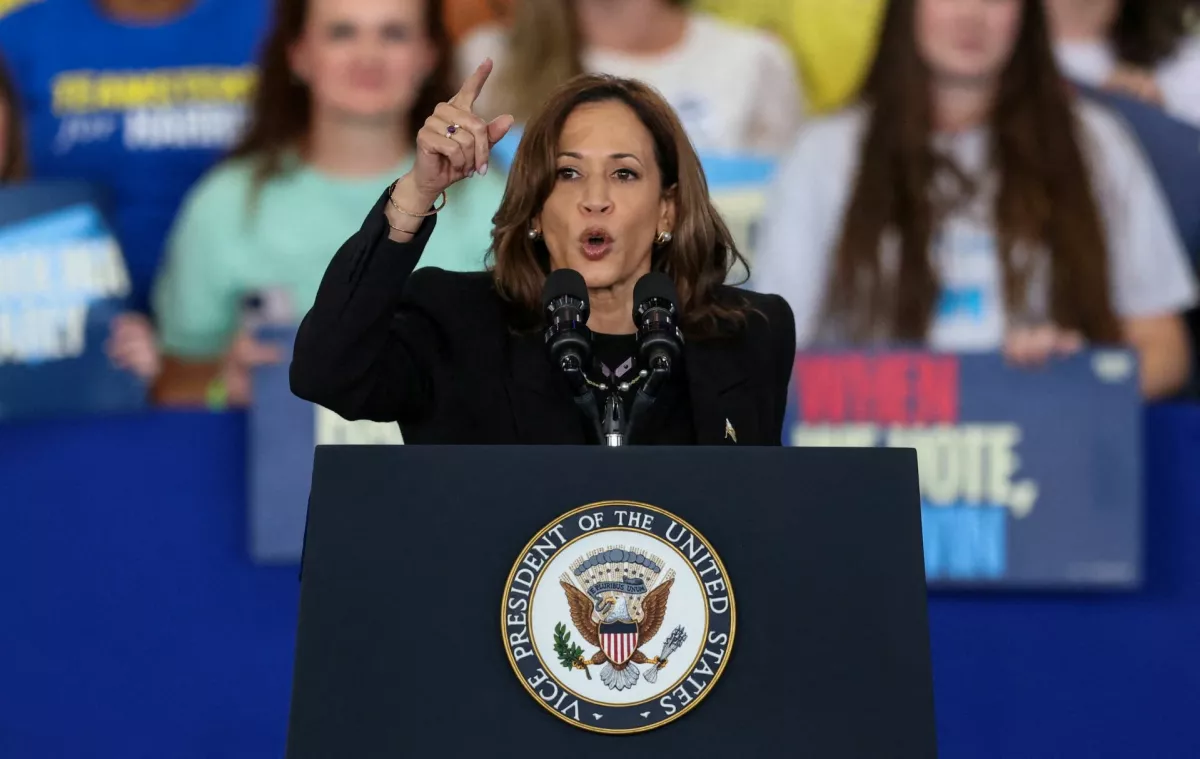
618	640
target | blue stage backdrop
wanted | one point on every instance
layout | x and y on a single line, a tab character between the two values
282	433
62	280
1029	478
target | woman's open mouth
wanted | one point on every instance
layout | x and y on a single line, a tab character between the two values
597	243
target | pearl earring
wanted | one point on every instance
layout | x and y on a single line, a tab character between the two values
663	238
533	234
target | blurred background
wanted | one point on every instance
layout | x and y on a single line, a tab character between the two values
984	213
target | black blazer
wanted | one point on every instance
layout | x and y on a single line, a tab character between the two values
434	351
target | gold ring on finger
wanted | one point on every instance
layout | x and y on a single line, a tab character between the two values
452	130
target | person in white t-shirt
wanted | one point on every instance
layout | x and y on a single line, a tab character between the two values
970	204
1138	47
735	89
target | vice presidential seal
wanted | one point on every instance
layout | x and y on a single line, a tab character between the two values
618	617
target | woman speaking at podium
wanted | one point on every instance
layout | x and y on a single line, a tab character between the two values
604	183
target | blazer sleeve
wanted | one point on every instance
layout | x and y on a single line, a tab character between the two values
364	350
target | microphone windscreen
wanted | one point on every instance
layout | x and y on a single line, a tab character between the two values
655	285
564	282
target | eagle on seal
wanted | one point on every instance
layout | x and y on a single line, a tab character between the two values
612	612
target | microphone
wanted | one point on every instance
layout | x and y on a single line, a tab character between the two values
656	315
566	307
660	340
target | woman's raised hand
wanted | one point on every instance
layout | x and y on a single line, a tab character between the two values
1034	345
453	144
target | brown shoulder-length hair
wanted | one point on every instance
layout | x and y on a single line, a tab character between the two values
1044	199
13	165
1147	32
701	252
282	111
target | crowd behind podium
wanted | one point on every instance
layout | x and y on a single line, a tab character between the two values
242	141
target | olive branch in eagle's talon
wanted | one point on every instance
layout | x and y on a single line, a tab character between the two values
570	655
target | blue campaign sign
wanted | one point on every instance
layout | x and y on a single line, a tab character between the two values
1030	478
283	431
62	281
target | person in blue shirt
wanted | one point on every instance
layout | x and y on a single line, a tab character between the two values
131	343
140	96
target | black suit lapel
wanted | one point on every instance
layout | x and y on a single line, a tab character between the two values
723	408
542	407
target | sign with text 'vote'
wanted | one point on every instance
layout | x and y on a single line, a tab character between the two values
1030	478
62	281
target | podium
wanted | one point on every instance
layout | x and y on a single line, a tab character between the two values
488	600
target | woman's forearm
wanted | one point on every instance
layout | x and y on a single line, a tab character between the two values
405	197
356	321
1163	351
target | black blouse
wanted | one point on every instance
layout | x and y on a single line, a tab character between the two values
668	421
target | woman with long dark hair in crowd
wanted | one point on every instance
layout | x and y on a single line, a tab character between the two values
1144	48
734	88
344	87
971	204
12	131
605	182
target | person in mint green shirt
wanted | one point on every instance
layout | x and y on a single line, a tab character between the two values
345	85
229	242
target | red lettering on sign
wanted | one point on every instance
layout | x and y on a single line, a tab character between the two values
890	389
819	389
937	389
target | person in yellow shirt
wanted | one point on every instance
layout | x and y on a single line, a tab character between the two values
833	41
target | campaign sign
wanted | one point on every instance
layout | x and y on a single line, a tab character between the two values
1030	478
283	431
62	281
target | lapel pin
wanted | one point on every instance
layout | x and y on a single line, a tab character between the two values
730	432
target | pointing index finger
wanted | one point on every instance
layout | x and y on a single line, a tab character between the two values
466	96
